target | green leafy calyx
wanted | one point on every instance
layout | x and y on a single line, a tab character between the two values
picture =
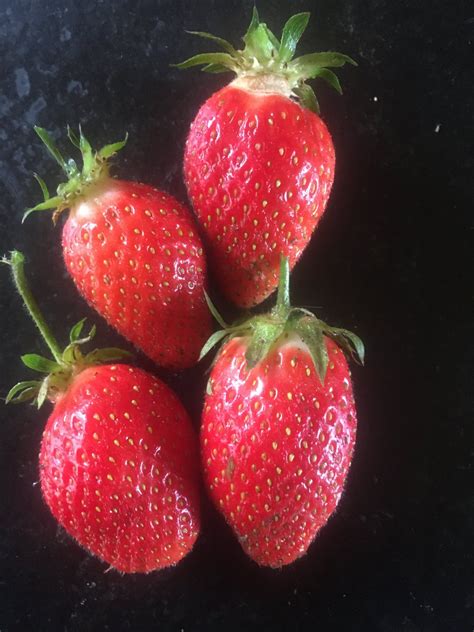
267	331
94	169
65	364
269	65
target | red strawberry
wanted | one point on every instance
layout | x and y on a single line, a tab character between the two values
119	463
278	429
119	468
259	165
135	255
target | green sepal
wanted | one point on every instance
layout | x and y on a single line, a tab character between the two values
39	363
109	150
47	205
72	354
215	69
73	137
254	23
264	56
214	311
42	393
307	97
330	78
44	188
266	331
261	340
311	334
261	44
110	354
349	341
211	342
94	168
308	66
222	59
51	147
76	330
273	39
291	35
22	391
86	151
227	46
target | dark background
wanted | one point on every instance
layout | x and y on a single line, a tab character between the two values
389	260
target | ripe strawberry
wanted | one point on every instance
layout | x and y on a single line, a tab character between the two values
278	429
135	255
259	161
119	463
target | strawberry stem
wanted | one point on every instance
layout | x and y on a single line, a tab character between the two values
16	262
283	297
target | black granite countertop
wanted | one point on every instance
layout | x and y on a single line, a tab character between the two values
389	260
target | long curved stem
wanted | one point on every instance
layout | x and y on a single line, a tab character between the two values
16	262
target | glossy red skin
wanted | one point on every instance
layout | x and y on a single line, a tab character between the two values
259	171
135	255
276	466
119	467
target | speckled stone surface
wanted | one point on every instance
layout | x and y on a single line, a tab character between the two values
390	260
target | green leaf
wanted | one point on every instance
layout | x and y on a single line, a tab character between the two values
211	342
214	312
330	78
51	147
76	330
109	150
227	46
311	334
108	354
22	391
308	66
224	59
38	363
307	97
291	35
44	188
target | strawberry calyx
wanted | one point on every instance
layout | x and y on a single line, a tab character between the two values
267	331
66	364
267	64
95	168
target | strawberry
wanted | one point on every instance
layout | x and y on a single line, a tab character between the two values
259	161
278	428
134	254
119	463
